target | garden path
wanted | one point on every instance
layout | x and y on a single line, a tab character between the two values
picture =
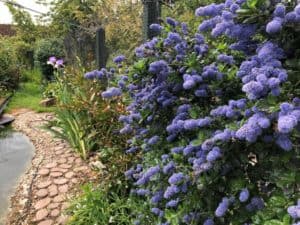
55	175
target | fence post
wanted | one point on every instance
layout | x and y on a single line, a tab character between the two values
151	14
100	48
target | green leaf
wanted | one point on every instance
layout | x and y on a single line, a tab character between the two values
252	4
273	222
237	184
140	65
286	220
277	201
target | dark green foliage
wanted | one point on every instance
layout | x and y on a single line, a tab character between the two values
9	68
46	48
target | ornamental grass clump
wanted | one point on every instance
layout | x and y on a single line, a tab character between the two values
213	117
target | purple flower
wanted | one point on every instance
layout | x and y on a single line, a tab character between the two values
209	10
255	204
244	195
176	178
89	75
286	123
291	17
214	154
263	122
234	7
297	9
294	211
188	150
177	150
206	121
153	140
157	197
184	28
160	68
274	26
156	27
171	191
220	29
119	59
222	208
286	107
111	92
189	82
158	212
225	59
52	60
253	89
171	21
208	221
172	203
279	11
190	124
59	63
126	130
284	142
142	192
174	37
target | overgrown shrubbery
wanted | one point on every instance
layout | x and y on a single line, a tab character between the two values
214	117
82	115
44	49
9	65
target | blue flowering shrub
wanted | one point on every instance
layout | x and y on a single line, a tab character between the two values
213	117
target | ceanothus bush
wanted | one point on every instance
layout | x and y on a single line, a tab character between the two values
214	116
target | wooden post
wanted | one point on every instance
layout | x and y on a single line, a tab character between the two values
100	48
151	14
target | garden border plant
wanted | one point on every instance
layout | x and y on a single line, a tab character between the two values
214	117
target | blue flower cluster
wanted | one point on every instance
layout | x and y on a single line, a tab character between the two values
185	122
294	212
281	18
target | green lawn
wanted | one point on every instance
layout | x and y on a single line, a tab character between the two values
29	93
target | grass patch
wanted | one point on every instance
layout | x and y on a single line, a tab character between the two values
29	93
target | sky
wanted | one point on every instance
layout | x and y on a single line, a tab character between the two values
5	16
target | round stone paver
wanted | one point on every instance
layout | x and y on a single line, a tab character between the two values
74	180
43	184
60	181
69	175
46	222
42	203
63	160
63	188
71	159
42	193
62	220
81	168
41	214
53	205
56	169
59	198
55	213
53	190
44	172
59	152
65	166
56	174
78	160
51	165
59	148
